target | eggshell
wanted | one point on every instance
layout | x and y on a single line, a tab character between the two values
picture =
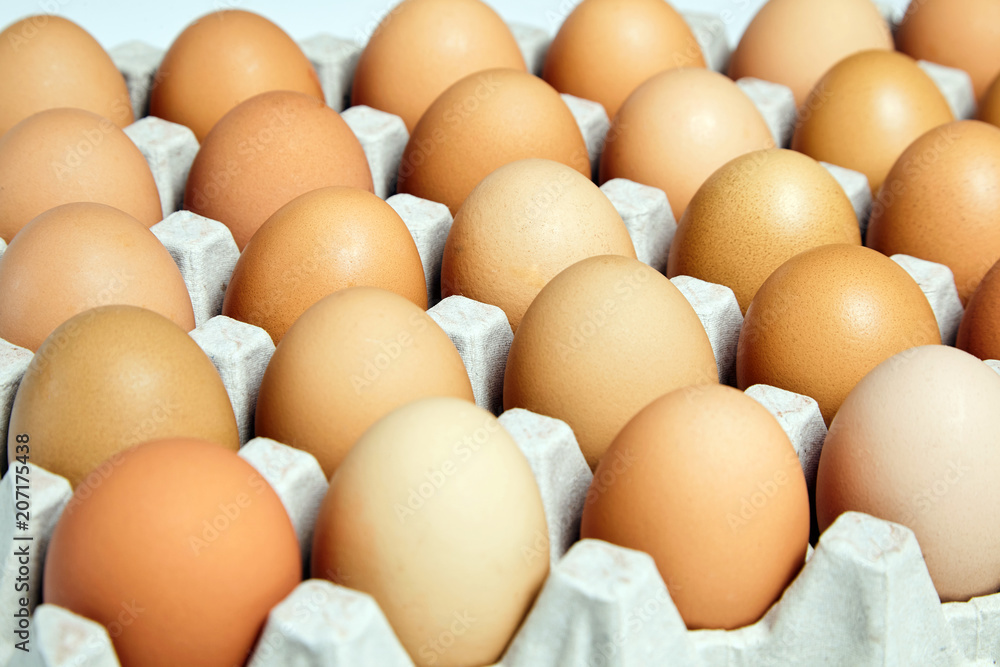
522	225
436	514
989	106
825	318
422	47
483	122
180	553
80	256
222	59
979	333
606	48
677	128
61	156
705	481
48	62
604	338
866	110
110	378
316	244
795	42
915	443
755	213
266	152
940	202
958	33
349	360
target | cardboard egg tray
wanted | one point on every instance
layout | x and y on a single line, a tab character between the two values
864	596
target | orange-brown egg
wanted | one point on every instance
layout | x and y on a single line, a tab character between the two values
679	127
423	46
795	42
606	48
989	106
61	156
222	59
349	360
940	202
828	316
755	213
600	341
706	482
866	110
520	227
80	256
979	333
482	122
111	378
957	33
48	62
265	153
180	552
316	244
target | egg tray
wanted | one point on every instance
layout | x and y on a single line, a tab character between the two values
864	596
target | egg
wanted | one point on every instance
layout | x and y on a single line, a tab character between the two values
48	62
604	338
795	42
179	553
522	225
266	152
349	360
481	123
316	244
421	47
866	110
979	332
940	202
755	213
221	60
964	34
61	156
436	514
989	106
79	256
827	317
706	482
606	48
110	378
915	443
677	128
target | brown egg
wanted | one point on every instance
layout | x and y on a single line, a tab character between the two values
522	225
915	444
110	378
795	42
755	213
599	342
265	153
606	48
706	482
422	47
48	62
866	110
222	59
958	33
180	554
678	128
482	122
940	202
318	243
436	514
349	360
79	256
63	156
989	106
828	316
979	333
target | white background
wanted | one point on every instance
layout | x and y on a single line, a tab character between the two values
115	21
